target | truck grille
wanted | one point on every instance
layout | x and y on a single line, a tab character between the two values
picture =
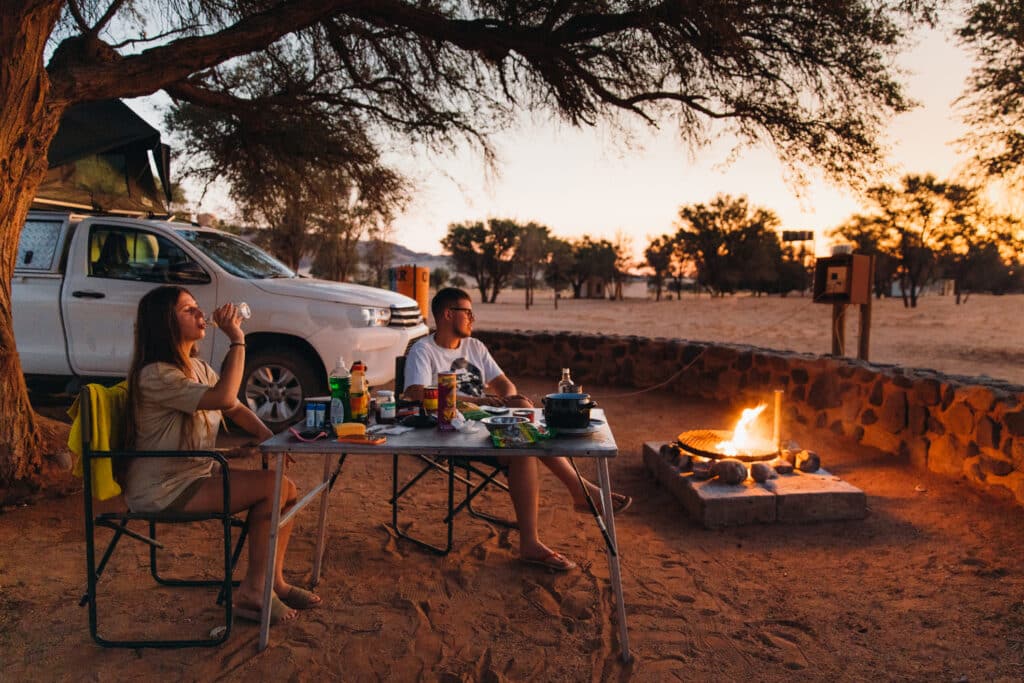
405	316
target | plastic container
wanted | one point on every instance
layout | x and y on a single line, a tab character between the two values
340	382
387	409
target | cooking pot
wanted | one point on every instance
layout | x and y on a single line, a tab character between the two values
568	410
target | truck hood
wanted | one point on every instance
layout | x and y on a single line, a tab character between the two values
335	292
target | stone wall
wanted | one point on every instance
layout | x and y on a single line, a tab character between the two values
971	427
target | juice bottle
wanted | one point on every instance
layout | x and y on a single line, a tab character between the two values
359	399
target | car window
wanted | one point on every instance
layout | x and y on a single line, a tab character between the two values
38	244
127	254
237	256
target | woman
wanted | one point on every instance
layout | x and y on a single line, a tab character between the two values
176	402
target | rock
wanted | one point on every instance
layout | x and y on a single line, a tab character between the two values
701	468
783	465
762	472
960	420
808	461
729	471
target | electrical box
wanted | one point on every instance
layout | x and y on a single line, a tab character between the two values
843	279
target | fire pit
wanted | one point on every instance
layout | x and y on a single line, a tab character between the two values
724	478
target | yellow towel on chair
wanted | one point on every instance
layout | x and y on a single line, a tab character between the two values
106	409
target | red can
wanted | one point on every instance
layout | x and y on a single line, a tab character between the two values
447	400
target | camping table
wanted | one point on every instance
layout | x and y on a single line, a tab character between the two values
599	445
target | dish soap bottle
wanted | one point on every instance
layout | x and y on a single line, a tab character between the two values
359	399
340	382
565	385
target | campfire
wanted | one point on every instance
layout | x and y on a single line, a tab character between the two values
725	454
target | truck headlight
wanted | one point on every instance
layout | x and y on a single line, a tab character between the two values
376	317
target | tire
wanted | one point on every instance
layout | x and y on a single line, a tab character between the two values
275	385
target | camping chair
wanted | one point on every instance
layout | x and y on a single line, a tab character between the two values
463	470
92	421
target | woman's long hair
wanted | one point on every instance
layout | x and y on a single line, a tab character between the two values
157	340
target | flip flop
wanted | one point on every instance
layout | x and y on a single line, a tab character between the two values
553	561
620	503
300	598
278	612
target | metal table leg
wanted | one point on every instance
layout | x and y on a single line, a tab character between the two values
268	582
321	530
612	549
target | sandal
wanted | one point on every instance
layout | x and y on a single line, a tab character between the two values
278	612
553	561
300	598
620	503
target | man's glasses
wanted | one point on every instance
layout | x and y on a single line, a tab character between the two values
467	311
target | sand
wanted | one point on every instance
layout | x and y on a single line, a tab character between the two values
928	587
984	336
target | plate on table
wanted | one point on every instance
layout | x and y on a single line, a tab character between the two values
578	431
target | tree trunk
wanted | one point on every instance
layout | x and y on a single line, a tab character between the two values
28	122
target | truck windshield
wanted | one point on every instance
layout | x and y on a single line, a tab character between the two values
237	256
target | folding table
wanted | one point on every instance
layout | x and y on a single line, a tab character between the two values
598	443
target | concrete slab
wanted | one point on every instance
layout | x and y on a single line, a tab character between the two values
799	497
816	497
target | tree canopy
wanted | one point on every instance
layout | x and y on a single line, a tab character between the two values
994	101
811	79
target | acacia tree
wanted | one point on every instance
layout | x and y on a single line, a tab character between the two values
726	241
658	255
591	259
557	271
811	79
532	253
484	251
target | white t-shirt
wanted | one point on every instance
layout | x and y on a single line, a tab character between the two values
471	362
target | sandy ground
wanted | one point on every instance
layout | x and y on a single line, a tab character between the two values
928	587
984	336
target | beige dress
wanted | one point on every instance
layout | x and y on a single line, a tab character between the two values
168	400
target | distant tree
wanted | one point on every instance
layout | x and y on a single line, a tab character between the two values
918	220
658	255
439	277
994	99
591	259
560	265
727	240
484	252
457	281
379	252
623	246
532	253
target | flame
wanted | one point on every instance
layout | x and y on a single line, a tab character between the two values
743	439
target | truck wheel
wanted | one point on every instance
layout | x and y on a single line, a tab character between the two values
275	384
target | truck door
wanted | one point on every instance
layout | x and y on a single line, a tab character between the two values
110	268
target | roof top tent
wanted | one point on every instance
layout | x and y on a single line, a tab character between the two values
100	161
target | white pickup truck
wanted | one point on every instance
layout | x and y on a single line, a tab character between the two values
78	281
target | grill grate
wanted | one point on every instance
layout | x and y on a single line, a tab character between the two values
704	442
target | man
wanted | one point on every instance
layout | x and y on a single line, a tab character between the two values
451	348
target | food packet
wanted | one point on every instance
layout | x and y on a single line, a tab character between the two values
519	435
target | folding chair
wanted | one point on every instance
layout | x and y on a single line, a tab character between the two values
460	469
119	521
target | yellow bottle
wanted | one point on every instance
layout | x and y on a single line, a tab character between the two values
359	398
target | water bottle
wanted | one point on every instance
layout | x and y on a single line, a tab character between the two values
340	382
566	385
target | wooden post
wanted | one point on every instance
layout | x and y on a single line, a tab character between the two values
864	337
838	328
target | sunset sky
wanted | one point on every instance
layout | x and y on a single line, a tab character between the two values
593	181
